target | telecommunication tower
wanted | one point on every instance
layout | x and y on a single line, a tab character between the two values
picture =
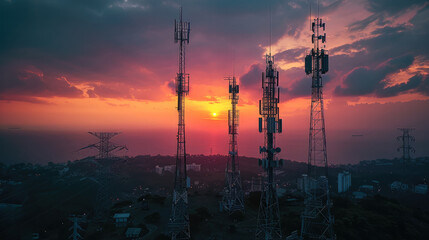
268	223
406	140
179	218
316	220
104	146
233	192
76	228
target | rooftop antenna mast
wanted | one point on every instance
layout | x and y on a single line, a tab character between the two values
406	140
233	195
179	218
268	223
316	220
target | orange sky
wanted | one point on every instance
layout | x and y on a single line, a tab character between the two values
116	74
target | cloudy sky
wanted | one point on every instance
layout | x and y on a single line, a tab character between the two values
110	64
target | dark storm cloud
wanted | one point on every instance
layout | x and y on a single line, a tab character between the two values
86	41
399	43
32	83
253	77
381	9
291	55
301	87
365	81
413	83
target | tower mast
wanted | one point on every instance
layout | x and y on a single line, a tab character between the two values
233	192
179	219
268	223
316	220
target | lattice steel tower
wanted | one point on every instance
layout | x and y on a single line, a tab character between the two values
104	146
268	223
233	192
316	219
406	140
179	218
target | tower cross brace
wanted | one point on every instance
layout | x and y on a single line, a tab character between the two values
105	146
76	228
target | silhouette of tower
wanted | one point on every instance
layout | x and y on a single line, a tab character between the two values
268	223
76	228
316	219
406	140
233	192
179	218
104	146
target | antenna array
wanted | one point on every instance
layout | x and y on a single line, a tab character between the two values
268	223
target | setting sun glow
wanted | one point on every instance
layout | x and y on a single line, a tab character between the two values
214	114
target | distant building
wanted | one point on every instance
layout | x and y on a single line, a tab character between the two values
421	189
170	168
305	183
344	181
359	195
133	233
301	182
193	167
121	219
398	186
159	170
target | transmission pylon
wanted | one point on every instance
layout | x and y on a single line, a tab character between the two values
406	141
232	200
179	218
76	228
268	223
105	146
316	220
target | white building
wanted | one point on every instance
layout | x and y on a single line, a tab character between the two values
193	167
121	219
421	189
170	168
344	181
302	182
159	170
398	186
133	233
